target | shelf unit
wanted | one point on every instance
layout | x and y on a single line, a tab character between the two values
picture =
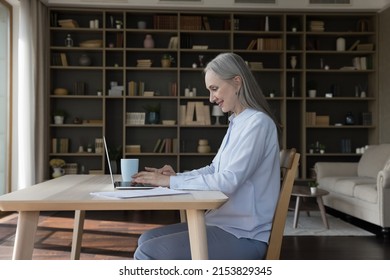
276	38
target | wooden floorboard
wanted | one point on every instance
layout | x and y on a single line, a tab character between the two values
113	235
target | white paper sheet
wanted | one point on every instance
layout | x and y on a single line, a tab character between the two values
138	193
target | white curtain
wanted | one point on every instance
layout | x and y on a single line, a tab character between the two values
30	124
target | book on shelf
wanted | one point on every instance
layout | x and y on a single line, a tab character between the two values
99	145
206	24
59	59
269	44
345	145
144	63
252	44
195	113
68	23
165	22
354	45
132	88
190	22
360	63
165	145
64	61
173	43
137	89
79	88
173	89
310	118
206	112
365	47
182	114
60	145
161	149
135	118
157	145
119	40
366	118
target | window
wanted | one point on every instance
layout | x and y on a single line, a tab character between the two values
5	74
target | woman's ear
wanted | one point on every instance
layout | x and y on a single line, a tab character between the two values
237	80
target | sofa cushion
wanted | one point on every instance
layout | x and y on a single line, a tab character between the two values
373	160
366	192
344	185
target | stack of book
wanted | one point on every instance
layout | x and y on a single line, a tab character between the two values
144	63
135	118
60	145
70	168
317	26
68	23
256	65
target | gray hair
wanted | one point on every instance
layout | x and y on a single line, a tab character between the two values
229	65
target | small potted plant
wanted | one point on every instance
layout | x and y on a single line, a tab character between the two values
166	60
59	116
153	113
322	148
313	186
118	24
312	88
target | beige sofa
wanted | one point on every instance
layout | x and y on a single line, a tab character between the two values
360	189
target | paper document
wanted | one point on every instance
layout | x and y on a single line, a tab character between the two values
139	193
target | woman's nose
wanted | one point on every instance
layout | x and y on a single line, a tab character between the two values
212	97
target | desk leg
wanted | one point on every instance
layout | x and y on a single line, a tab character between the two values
296	212
25	235
197	233
323	212
78	228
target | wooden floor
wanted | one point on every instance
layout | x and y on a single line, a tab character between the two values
113	235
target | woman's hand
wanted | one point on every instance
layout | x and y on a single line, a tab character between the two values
165	170
154	176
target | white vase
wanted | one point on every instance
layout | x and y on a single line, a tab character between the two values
293	62
312	93
148	42
58	119
313	190
58	172
340	44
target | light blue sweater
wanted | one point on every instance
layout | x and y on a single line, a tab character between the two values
247	170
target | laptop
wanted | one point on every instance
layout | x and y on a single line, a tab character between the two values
122	185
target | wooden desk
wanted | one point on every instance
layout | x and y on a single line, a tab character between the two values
72	193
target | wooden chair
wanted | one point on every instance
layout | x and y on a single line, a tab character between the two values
289	160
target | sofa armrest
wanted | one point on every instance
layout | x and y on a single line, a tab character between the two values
335	169
383	179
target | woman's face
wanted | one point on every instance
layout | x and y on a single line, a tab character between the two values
223	92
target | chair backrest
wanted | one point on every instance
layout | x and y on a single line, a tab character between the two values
289	160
